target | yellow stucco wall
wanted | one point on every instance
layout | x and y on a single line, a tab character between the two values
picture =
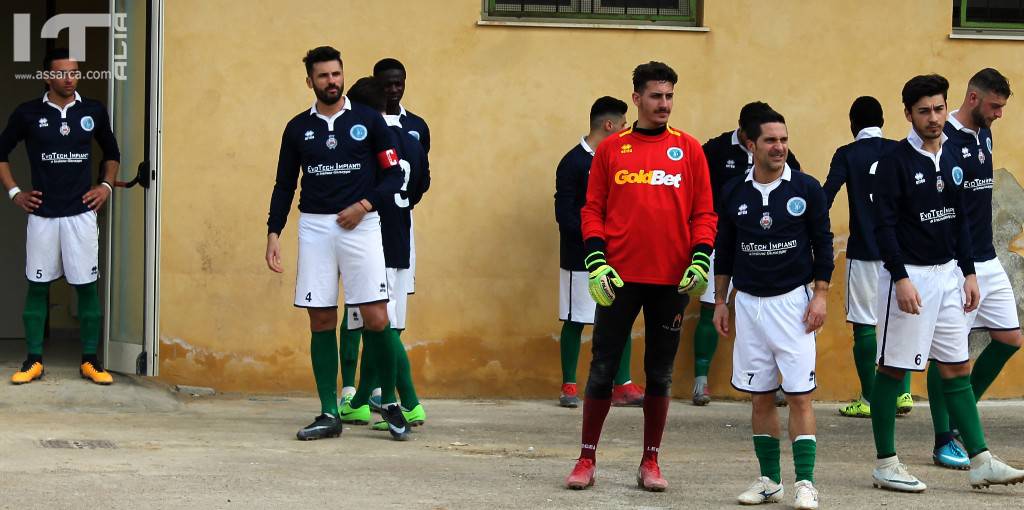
504	104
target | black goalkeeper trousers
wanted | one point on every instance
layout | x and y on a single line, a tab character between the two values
663	308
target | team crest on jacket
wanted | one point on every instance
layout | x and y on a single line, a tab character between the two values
766	221
796	206
358	132
981	156
939	185
64	129
674	153
331	142
958	175
87	123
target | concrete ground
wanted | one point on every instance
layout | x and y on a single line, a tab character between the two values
158	449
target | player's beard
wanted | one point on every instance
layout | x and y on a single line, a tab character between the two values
979	118
323	95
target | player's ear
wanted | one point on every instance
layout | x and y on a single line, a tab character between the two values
309	82
906	112
636	99
750	145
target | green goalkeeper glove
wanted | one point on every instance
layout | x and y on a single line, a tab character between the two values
603	279
695	279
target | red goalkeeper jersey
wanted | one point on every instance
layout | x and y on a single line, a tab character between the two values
649	198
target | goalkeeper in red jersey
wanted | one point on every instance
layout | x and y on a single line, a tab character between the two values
648	226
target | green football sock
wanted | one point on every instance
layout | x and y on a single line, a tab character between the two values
883	413
34	316
367	375
864	353
937	401
349	351
804	451
705	342
89	317
964	410
386	356
323	348
767	450
988	365
403	375
623	376
569	347
906	382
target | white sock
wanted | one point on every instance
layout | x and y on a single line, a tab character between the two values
347	390
701	379
375	392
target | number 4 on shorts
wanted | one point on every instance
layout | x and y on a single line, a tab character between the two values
309	297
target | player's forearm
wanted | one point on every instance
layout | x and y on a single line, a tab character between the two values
721	288
6	178
109	171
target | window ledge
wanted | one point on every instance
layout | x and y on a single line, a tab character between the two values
539	23
987	34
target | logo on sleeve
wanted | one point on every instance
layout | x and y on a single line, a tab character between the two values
331	142
919	178
796	206
674	153
308	136
415	134
87	123
988	143
358	132
958	175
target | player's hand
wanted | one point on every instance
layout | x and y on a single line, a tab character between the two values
602	284
721	319
814	317
350	217
29	201
907	298
96	197
274	253
695	279
971	293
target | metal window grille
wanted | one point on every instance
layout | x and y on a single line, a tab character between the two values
678	11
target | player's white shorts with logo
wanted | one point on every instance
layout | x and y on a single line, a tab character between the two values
327	250
67	246
709	293
997	310
862	291
939	332
399	281
771	340
574	301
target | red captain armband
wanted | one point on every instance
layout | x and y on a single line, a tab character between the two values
388	158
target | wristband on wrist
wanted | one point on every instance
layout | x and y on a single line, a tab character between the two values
11	193
107	184
362	203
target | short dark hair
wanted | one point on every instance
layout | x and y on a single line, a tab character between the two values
387	64
53	55
865	112
652	71
990	80
606	106
752	128
751	111
925	85
321	54
369	92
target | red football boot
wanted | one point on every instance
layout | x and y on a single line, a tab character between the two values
582	475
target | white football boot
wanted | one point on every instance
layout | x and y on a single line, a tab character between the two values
764	490
892	475
987	469
806	496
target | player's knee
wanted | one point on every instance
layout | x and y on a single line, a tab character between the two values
799	403
658	384
322	319
599	387
1012	338
375	318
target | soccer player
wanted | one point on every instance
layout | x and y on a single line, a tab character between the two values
854	165
728	158
396	230
774	240
575	306
648	226
391	73
969	142
923	233
349	168
62	237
